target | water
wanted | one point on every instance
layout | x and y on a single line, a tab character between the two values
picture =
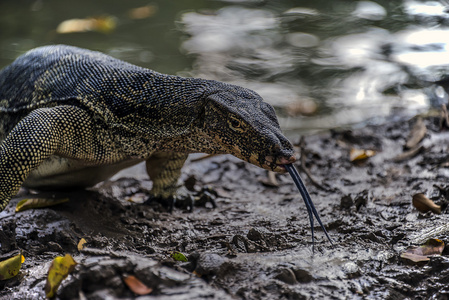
322	64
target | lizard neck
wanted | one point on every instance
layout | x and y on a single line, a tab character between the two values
196	141
163	114
158	106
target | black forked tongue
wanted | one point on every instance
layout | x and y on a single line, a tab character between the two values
309	204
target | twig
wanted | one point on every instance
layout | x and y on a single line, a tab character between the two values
444	117
206	156
302	147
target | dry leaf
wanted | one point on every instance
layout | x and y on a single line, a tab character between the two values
408	154
414	257
142	12
103	24
222	193
136	286
306	107
59	270
360	154
138	198
38	203
424	204
11	267
81	244
418	132
271	181
205	156
422	253
432	247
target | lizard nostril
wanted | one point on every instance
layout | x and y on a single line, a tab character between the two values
286	160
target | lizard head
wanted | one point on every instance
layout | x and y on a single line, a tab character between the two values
239	122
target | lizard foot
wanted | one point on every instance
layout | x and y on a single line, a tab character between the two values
186	200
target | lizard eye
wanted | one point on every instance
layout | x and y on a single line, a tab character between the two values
235	124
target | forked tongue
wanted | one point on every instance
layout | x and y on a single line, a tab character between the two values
309	204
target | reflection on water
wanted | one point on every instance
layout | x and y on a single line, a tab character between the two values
423	48
146	38
322	63
358	61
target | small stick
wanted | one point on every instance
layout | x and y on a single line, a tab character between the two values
306	170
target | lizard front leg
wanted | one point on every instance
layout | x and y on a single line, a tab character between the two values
164	169
62	130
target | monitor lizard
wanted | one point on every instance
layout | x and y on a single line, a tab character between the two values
71	117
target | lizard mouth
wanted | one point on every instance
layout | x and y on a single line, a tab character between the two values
276	164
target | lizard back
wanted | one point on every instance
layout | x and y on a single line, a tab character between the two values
136	99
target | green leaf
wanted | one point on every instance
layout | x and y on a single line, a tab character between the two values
178	256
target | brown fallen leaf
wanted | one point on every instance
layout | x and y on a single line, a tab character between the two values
418	132
305	107
360	154
431	247
422	253
38	203
222	193
271	181
136	286
58	271
415	258
142	12
408	154
424	204
11	266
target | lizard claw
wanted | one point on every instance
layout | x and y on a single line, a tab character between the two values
166	202
185	200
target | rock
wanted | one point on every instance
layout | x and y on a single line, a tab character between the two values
190	182
286	275
346	202
209	263
351	269
302	275
240	242
256	234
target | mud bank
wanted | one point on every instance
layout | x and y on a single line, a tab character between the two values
256	243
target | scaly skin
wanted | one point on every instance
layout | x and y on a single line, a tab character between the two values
74	117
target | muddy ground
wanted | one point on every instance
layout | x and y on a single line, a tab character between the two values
256	244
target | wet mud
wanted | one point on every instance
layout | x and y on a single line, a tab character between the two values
256	243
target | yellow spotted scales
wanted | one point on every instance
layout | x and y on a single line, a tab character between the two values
74	117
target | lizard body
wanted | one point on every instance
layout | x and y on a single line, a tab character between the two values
75	117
